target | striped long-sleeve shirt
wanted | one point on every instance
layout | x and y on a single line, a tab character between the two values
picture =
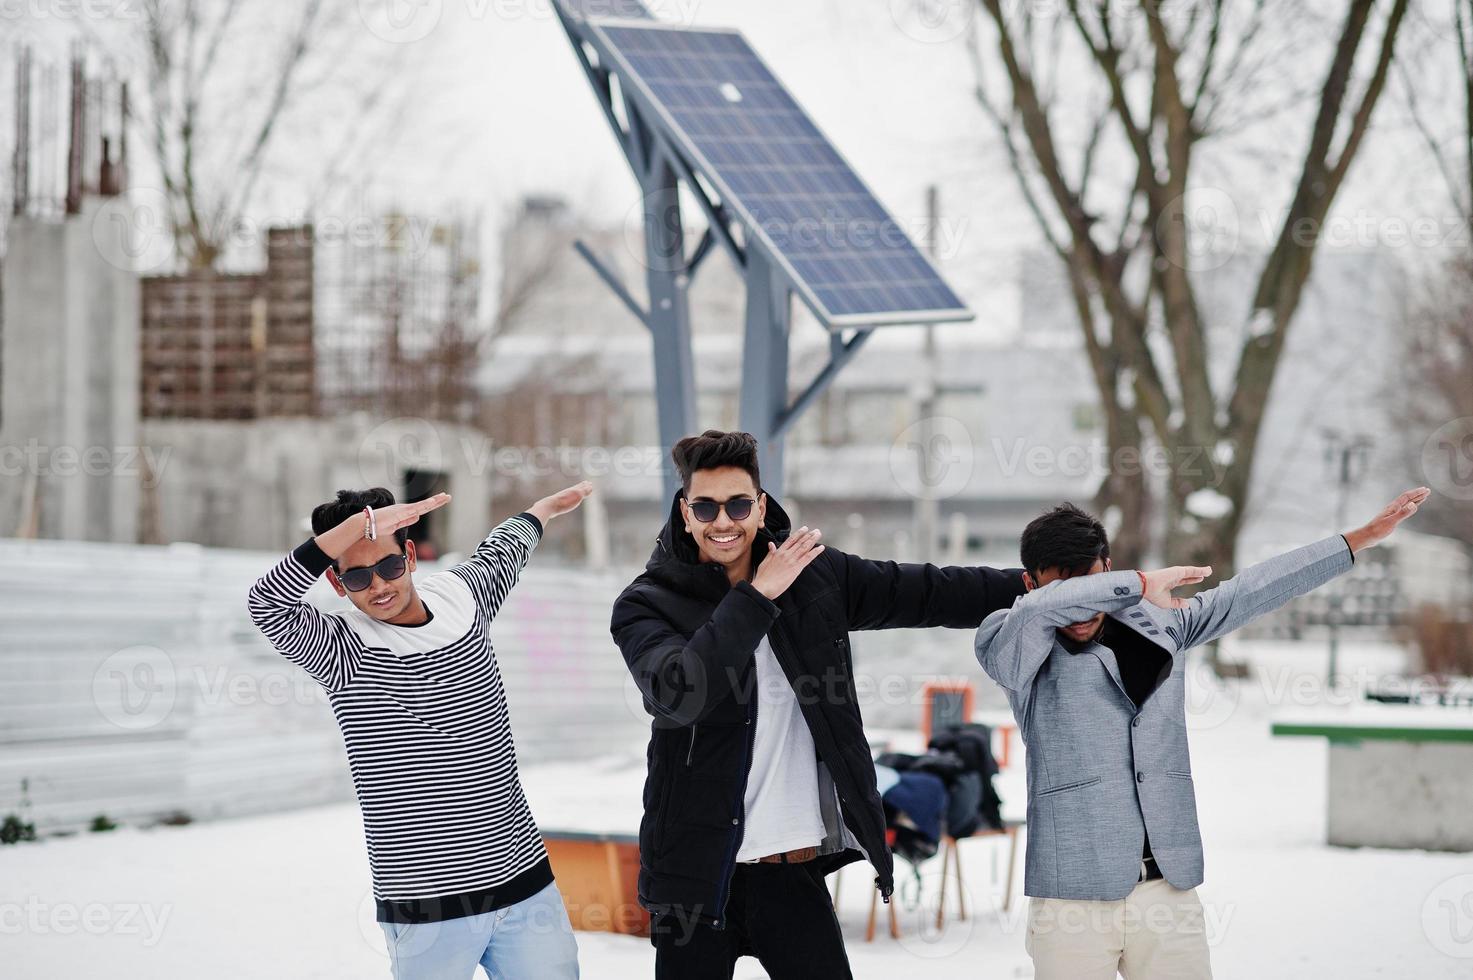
424	720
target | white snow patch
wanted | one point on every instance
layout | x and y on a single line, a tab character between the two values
1208	504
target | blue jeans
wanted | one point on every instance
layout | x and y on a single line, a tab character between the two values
532	938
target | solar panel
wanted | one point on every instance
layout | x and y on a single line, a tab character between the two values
736	123
586	9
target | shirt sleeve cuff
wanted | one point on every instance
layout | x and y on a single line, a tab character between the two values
526	516
311	557
1348	548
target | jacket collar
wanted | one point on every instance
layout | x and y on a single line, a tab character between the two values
1138	621
675	561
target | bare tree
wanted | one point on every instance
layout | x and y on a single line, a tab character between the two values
1102	112
1434	392
222	78
533	253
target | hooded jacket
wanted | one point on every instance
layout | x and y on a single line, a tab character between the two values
688	637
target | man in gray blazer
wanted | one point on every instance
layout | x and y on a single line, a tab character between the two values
1093	663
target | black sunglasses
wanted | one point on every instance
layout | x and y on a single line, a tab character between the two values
737	508
388	569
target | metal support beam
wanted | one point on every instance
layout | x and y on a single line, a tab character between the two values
668	316
703	248
718	220
764	396
612	280
764	410
840	351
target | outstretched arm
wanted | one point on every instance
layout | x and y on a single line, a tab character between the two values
1262	588
887	595
493	568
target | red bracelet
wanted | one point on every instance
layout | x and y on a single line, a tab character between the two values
1143	580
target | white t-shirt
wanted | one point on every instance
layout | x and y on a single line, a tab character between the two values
782	787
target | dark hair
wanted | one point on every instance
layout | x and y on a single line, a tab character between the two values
714	448
327	516
1065	538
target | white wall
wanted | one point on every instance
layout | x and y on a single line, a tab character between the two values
133	684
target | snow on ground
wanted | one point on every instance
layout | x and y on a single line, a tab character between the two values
287	895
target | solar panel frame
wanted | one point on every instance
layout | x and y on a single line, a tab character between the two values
687	144
606	9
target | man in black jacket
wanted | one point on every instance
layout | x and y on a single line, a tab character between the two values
737	616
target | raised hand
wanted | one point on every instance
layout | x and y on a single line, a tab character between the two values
561	502
1158	584
386	520
389	519
782	564
1379	528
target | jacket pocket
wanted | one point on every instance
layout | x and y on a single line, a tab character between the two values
664	791
1178	774
1068	786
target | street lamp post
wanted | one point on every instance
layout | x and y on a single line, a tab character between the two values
1346	456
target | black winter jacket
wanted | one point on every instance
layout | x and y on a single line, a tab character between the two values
688	638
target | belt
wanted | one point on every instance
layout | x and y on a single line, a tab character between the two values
1149	871
796	856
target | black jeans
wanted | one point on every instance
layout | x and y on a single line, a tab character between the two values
779	913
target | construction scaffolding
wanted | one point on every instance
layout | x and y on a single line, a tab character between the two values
69	134
219	346
398	331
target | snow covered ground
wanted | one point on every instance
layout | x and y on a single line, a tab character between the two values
287	896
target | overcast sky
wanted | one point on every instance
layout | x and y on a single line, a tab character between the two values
497	108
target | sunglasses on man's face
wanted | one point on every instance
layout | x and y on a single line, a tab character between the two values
737	508
388	569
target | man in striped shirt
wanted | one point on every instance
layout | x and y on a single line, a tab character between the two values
460	875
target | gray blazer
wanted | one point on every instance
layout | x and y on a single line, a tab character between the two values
1100	772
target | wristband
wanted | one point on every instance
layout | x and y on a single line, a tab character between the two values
1143	580
370	527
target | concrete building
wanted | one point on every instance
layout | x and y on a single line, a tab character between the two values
71	460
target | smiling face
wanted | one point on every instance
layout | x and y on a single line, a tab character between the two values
389	601
1078	632
725	541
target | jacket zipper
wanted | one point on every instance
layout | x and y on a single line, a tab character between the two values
690	753
844	824
723	897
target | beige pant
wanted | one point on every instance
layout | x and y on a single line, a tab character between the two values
1154	933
